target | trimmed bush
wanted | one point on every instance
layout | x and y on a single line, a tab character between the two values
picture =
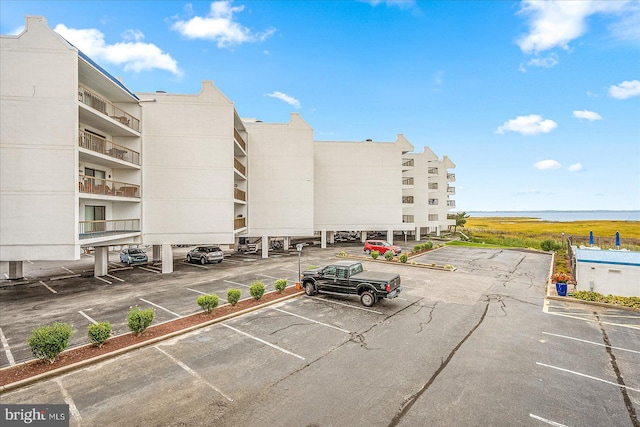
47	342
280	285
233	296
342	254
427	246
403	258
449	267
139	320
208	302
389	255
549	245
375	254
98	333
256	289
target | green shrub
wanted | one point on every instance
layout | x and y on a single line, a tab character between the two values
403	258
208	302
342	254
233	296
280	285
416	248
389	255
139	320
98	333
375	254
428	245
47	342
633	302
449	267
256	289
433	264
549	245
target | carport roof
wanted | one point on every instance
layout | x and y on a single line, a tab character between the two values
608	257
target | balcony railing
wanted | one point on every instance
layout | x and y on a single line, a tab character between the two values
451	203
241	142
407	162
107	187
407	218
103	146
451	177
433	217
105	107
433	202
239	166
451	190
239	223
91	229
407	199
433	171
407	181
433	186
239	195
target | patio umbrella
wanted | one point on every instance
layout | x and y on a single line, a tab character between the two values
617	240
591	238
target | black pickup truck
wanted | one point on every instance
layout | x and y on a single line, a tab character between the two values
348	277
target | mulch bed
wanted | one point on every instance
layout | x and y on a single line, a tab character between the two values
36	367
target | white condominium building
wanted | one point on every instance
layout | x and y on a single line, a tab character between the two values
85	162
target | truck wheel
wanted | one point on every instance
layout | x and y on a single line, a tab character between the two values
188	258
203	260
309	289
367	299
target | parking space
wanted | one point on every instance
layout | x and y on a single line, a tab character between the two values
457	348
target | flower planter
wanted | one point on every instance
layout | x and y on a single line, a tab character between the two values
561	288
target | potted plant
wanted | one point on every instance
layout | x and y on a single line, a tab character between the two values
561	278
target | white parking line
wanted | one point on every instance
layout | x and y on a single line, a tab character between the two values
7	349
588	376
114	277
65	268
199	292
236	283
195	265
311	320
264	342
591	342
545	309
231	261
268	277
87	317
148	269
552	423
69	401
160	307
104	280
46	286
192	372
348	305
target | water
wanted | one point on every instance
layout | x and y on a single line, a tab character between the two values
563	216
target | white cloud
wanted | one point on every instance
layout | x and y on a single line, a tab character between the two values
548	62
625	90
576	167
401	4
132	54
219	26
532	124
286	98
587	115
547	165
555	23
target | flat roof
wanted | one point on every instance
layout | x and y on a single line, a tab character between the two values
608	257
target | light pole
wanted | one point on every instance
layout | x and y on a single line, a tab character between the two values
563	240
299	249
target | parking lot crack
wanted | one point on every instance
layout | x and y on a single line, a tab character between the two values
406	406
421	325
614	364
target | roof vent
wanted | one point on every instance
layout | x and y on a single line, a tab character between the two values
161	91
369	140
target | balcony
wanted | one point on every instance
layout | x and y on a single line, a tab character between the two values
239	195
432	217
451	203
102	146
107	187
433	186
451	177
407	181
407	219
239	140
432	171
433	202
239	167
407	164
93	229
451	190
407	199
107	108
239	223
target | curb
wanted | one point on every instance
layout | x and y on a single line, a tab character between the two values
106	356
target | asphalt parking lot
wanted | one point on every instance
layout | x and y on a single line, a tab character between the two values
477	346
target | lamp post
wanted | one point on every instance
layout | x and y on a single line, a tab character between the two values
299	249
563	240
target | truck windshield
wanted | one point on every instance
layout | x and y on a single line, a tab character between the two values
355	269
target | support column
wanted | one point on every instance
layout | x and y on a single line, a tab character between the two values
438	231
363	236
101	256
331	237
323	239
286	243
265	246
15	270
157	253
166	256
390	236
417	234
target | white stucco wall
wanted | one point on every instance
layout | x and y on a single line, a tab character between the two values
358	185
280	175
38	146
614	279
187	167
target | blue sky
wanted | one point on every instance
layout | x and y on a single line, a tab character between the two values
537	103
